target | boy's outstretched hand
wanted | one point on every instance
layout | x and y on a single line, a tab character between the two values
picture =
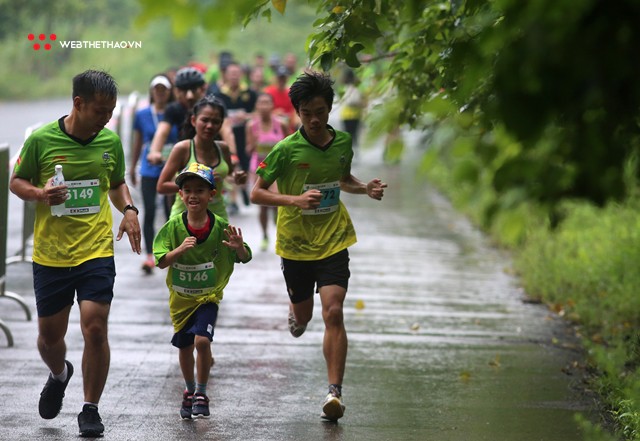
235	242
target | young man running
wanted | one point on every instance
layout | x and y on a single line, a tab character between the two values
312	166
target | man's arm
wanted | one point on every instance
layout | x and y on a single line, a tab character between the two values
25	190
374	188
121	197
226	133
261	195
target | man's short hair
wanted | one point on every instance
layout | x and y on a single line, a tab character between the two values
91	83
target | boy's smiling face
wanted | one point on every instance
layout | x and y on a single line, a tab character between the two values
196	194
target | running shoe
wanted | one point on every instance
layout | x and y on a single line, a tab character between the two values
89	422
264	244
332	408
200	407
187	404
232	209
295	329
148	266
52	395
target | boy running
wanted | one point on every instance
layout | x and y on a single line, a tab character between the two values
190	244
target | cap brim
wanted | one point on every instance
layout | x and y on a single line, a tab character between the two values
162	81
185	175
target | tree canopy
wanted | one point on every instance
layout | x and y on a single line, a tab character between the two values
539	99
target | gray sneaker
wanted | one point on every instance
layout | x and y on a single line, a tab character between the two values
332	407
295	329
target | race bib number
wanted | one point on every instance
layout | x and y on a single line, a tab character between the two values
330	197
193	279
83	197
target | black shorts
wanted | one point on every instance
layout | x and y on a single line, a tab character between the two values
202	322
302	275
55	287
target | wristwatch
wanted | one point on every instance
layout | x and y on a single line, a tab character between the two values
130	207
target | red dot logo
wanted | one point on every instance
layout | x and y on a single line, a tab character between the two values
42	37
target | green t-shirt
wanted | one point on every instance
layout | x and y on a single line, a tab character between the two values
200	275
89	168
297	165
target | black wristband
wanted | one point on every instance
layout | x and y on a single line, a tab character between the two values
130	207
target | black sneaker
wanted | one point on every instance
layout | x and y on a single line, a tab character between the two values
90	422
200	407
187	403
52	395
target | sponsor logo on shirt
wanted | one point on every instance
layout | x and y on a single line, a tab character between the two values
262	165
304	165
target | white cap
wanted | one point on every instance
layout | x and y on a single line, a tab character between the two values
160	80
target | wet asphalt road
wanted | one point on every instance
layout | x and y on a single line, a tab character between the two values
441	344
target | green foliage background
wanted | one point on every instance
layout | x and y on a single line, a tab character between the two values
26	74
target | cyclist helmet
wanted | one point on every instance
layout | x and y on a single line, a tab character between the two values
189	78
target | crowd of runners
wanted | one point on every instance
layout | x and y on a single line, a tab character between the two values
210	140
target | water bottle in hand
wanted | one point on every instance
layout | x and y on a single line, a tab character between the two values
58	179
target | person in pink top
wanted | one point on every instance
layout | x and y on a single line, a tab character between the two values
263	132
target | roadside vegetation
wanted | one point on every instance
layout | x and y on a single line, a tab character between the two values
586	270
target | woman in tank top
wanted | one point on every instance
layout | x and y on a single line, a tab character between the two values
202	146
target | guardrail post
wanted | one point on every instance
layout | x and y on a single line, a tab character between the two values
4	208
4	205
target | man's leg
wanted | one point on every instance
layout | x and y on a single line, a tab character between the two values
303	311
335	343
51	345
334	347
96	357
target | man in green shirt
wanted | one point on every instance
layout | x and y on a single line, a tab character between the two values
73	253
312	166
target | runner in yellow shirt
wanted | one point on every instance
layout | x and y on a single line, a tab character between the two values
73	253
312	166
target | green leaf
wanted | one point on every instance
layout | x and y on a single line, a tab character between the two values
352	55
326	61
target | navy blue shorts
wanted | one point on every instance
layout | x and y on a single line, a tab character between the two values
55	287
302	275
202	322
